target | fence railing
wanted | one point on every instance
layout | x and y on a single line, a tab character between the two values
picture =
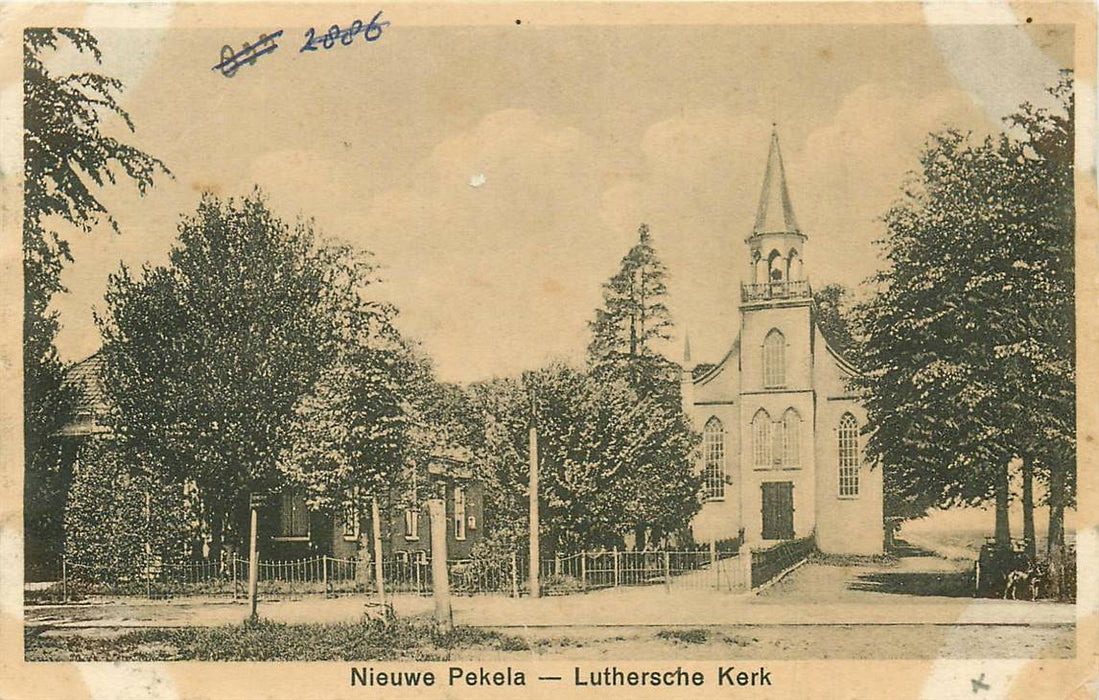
773	561
506	575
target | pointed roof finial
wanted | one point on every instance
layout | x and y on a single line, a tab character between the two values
775	213
686	348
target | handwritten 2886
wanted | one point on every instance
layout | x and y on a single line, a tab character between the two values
371	31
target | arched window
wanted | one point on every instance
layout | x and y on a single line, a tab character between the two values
775	266
849	455
793	265
761	440
713	474
774	359
791	438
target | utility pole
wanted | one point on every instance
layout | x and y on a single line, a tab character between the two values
379	569
440	580
255	501
534	588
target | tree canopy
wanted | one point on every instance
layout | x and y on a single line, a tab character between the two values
255	358
968	352
67	157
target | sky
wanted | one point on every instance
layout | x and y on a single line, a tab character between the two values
573	135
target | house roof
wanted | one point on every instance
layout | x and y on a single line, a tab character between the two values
85	379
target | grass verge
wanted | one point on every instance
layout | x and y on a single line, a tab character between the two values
374	640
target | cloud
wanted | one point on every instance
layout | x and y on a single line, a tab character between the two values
851	169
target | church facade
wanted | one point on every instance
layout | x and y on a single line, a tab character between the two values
782	450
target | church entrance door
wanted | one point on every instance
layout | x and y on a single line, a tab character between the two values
778	510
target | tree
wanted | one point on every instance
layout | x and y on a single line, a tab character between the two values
210	359
830	307
609	460
633	319
65	156
967	360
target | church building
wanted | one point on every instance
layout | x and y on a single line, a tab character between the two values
782	454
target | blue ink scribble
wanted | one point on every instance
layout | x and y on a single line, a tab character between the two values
371	31
231	61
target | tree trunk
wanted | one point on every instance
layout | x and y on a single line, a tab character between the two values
1003	498
1055	541
1028	509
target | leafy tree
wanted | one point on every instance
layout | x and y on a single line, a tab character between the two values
833	315
609	461
968	353
209	359
120	524
66	156
635	317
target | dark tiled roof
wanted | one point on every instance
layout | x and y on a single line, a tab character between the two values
86	380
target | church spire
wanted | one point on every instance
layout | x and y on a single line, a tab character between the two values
686	348
775	213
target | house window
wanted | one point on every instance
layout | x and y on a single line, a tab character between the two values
849	455
791	438
761	440
713	474
459	513
411	524
774	359
293	515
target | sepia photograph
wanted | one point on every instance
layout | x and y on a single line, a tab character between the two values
651	343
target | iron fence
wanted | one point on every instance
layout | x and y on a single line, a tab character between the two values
408	574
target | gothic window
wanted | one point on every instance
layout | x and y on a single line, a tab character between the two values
849	455
793	266
791	438
774	359
775	266
761	440
713	474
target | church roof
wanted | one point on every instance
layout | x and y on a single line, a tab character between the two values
775	213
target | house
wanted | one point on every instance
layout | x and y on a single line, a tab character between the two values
298	532
782	434
289	529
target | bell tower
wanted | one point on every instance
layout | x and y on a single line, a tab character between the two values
776	244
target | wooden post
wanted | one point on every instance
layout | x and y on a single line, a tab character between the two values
253	563
514	575
233	571
534	588
376	523
324	573
667	571
556	564
440	580
583	569
616	568
64	581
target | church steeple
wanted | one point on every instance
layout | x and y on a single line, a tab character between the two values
775	213
775	246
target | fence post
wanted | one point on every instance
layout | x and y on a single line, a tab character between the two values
667	571
556	564
583	569
514	575
713	564
324	573
745	556
233	569
64	581
253	562
616	567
